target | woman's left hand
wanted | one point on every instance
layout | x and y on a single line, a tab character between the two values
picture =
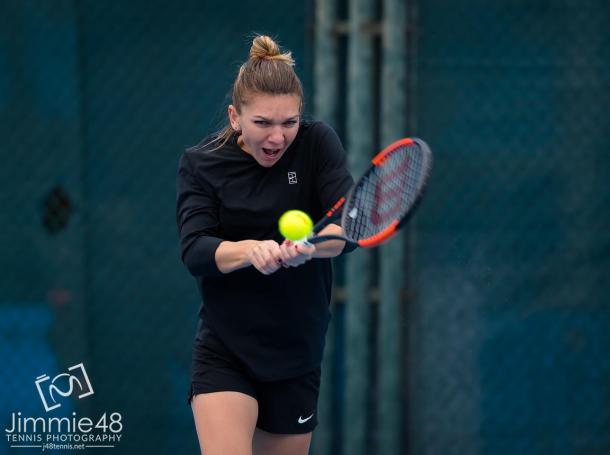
296	254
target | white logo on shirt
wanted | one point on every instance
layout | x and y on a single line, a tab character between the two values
292	178
303	420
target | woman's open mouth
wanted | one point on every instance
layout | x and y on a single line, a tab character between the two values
271	152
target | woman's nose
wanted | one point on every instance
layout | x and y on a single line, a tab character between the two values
277	135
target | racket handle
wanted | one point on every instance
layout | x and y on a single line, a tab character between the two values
324	238
303	241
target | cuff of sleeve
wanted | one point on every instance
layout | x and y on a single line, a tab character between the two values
200	258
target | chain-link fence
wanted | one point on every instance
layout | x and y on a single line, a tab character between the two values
97	102
506	302
510	342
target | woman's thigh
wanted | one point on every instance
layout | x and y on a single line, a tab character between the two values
265	443
225	422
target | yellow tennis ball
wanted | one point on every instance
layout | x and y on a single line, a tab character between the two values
295	225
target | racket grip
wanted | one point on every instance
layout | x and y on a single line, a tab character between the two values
303	241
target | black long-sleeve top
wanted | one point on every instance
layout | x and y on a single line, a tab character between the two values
275	324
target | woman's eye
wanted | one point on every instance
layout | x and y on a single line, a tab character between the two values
288	123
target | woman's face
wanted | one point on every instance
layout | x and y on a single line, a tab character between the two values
268	124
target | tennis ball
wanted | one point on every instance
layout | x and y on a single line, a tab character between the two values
295	225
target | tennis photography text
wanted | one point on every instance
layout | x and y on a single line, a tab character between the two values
64	433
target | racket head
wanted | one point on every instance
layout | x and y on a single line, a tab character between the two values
387	194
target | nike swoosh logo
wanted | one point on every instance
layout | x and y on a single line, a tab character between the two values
302	420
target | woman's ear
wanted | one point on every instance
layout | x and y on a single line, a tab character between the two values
234	118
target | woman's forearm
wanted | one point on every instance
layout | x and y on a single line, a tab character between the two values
232	256
330	248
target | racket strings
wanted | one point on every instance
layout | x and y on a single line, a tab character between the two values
387	192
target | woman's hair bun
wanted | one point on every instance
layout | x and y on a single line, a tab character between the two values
264	48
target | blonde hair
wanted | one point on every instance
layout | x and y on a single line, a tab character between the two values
267	71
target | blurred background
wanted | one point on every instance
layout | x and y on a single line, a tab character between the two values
484	328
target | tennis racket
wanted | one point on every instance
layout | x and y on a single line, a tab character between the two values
383	199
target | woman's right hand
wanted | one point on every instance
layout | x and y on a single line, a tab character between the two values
265	256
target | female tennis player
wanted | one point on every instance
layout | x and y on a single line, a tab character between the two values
265	311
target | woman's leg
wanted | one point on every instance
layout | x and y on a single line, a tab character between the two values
225	422
265	443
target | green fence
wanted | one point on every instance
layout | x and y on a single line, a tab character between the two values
510	339
97	102
483	329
